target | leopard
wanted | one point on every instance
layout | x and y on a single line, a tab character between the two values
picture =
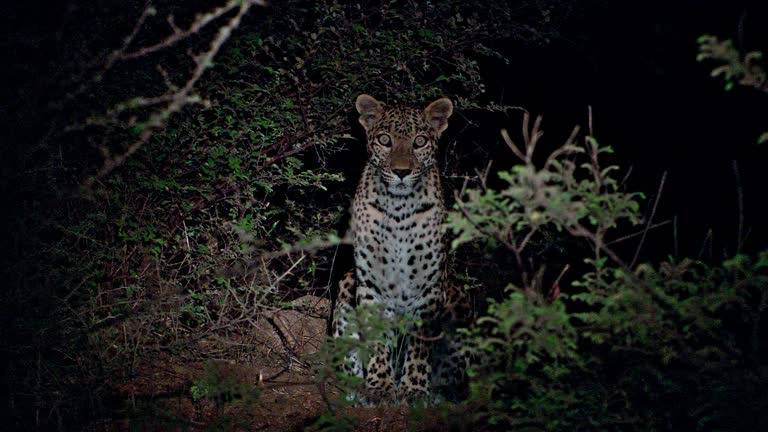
396	230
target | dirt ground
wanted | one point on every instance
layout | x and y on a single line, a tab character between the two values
162	394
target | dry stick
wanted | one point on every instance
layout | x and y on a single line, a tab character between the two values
674	235
179	99
526	239
633	235
179	34
626	176
740	198
707	238
330	271
511	144
567	148
533	139
483	176
562	273
580	231
117	55
650	219
309	248
428	338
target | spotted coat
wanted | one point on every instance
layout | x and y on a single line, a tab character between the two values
396	226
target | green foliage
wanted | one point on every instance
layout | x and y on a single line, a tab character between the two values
648	348
746	69
525	329
563	195
743	69
327	422
570	193
372	328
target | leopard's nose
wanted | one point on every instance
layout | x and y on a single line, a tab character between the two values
401	172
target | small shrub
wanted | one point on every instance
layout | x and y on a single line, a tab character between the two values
643	348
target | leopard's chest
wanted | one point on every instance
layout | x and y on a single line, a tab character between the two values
398	250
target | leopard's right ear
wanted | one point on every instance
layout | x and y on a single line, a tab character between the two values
370	110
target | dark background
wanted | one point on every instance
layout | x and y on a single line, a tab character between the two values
634	64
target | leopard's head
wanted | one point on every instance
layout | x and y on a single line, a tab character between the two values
402	142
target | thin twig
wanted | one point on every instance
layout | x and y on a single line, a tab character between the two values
707	238
740	202
562	273
580	231
633	235
650	220
179	34
674	236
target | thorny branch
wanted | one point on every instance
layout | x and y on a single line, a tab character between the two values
177	98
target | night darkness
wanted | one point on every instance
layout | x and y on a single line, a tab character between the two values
649	103
104	282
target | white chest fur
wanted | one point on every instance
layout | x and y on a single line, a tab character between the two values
398	246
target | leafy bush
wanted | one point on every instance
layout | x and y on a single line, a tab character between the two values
643	348
169	188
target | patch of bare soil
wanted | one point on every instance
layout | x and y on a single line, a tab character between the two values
256	380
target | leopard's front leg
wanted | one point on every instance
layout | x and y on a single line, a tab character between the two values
342	314
415	381
417	371
380	371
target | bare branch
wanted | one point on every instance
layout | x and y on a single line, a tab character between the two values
650	219
180	98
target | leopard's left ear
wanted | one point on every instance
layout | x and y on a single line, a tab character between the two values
437	114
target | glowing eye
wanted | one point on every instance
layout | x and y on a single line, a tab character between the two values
420	141
384	140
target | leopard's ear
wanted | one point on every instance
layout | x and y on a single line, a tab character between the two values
437	114
370	110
